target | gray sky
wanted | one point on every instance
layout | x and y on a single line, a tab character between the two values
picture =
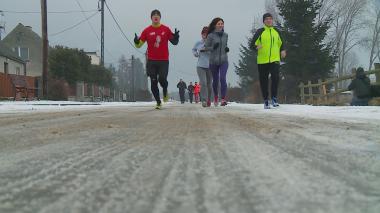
133	16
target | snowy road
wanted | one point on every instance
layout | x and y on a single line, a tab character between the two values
188	159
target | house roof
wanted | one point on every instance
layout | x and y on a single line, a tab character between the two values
21	31
8	53
92	53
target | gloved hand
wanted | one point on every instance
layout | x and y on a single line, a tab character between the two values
137	39
175	38
227	49
283	54
216	45
259	47
176	34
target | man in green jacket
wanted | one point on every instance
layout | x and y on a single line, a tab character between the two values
270	49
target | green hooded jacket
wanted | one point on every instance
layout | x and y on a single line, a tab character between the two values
270	40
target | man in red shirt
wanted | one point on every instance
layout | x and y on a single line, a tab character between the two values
157	37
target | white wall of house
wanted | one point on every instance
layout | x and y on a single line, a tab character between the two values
14	67
95	59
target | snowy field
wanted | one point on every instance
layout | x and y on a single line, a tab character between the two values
56	106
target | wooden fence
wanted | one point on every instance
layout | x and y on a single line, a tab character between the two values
319	94
8	89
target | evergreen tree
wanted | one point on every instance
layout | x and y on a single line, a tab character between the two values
246	68
101	76
74	65
309	56
65	63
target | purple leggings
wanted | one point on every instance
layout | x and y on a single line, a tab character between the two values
219	72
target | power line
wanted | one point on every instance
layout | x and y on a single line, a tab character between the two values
51	12
89	23
121	30
92	28
77	24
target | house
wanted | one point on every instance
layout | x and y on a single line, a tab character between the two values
27	45
14	82
95	59
10	62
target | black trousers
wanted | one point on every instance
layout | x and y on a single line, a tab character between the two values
158	73
191	97
182	96
264	70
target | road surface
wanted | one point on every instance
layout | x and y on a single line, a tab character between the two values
186	159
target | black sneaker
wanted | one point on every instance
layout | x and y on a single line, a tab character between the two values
266	104
274	102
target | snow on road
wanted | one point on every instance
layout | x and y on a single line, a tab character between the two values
371	113
128	157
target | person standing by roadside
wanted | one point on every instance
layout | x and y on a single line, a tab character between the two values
270	49
361	86
216	44
182	88
203	68
157	36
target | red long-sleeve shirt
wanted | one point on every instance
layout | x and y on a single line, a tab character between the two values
157	39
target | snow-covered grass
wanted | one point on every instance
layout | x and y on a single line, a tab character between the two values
352	113
46	106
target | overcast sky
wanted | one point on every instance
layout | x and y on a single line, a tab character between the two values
133	16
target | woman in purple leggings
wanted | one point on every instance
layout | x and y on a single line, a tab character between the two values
216	44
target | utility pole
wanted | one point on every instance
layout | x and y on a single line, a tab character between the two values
102	34
133	78
45	44
2	23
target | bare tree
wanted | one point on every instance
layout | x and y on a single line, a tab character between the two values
122	73
346	24
271	7
378	51
351	63
372	23
326	12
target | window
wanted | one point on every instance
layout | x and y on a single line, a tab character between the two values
23	52
5	67
18	71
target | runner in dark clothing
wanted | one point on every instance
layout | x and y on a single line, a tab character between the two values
157	37
190	90
182	88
